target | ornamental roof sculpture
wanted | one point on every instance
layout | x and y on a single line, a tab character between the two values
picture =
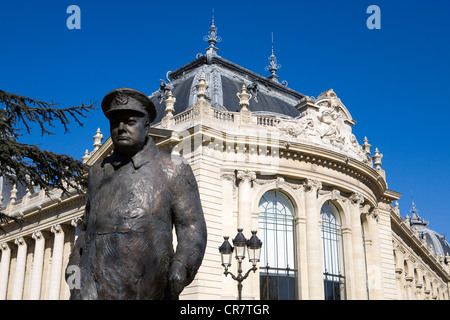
212	38
325	121
273	66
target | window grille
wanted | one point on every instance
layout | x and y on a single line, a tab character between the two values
333	256
276	229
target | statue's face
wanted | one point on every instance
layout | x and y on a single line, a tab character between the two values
129	131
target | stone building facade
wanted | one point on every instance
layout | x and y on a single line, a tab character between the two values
266	158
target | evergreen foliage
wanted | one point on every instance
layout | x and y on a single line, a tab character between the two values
27	164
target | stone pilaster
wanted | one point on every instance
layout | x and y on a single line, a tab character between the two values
245	218
57	259
19	275
245	178
75	222
4	269
374	272
359	263
228	178
313	241
38	262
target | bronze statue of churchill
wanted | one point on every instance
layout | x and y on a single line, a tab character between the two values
135	197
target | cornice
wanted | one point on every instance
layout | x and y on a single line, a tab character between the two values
401	229
316	155
293	150
36	214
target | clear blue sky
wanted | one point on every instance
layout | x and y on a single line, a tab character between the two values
394	81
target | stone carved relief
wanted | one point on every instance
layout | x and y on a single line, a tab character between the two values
334	194
356	199
280	183
313	186
367	211
327	124
246	175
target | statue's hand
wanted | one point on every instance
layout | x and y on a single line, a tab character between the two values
177	278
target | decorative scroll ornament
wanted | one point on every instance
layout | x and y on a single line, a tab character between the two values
356	199
246	175
311	185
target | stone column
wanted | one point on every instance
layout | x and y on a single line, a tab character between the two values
75	222
228	228
19	275
300	236
360	270
374	272
245	221
409	279
313	241
419	290
398	254
57	259
244	200
409	287
38	261
4	269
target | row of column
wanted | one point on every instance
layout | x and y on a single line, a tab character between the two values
358	256
17	282
413	283
308	229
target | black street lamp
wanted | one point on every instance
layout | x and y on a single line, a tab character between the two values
254	250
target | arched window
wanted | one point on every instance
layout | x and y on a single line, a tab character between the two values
276	229
333	256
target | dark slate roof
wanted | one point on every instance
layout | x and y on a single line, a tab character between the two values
181	91
225	80
263	102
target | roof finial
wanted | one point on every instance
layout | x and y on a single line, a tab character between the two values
377	159
415	219
212	38
274	66
413	207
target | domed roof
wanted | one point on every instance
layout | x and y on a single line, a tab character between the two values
436	241
225	79
324	122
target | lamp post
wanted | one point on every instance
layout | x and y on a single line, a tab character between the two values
254	250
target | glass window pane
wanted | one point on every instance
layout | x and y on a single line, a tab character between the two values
276	230
333	259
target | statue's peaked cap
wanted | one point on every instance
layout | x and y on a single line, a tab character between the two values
128	99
